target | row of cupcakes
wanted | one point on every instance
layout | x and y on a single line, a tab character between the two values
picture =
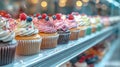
33	33
45	32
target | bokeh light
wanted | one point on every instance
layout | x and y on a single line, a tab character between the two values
79	3
34	1
62	3
44	4
85	1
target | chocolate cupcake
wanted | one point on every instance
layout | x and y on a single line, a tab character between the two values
7	42
63	36
62	29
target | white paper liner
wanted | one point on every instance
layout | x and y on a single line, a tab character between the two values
28	47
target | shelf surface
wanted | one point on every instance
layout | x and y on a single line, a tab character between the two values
62	53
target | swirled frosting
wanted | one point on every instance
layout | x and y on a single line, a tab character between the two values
61	25
92	20
71	23
26	28
86	20
12	23
6	34
46	26
79	21
97	18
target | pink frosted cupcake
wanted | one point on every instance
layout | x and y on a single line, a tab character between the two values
47	31
62	29
7	42
73	27
29	41
93	24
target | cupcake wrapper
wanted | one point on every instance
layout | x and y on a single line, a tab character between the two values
88	31
99	27
82	33
28	47
94	29
7	54
63	38
74	35
49	42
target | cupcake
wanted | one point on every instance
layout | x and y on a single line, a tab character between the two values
81	62
93	24
72	24
62	29
98	23
7	42
86	20
29	41
47	31
81	25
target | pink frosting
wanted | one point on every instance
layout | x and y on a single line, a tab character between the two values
13	23
36	21
60	24
45	26
71	23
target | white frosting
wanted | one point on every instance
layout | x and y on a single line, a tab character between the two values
5	33
83	64
86	20
79	20
93	20
26	29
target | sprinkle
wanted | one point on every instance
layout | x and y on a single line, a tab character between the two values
4	28
30	26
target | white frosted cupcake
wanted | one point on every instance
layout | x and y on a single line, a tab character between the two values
87	25
7	42
29	41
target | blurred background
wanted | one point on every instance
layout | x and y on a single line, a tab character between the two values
89	7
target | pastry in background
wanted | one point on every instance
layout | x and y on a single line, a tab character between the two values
81	62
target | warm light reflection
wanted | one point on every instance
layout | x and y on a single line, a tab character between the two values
34	1
85	1
62	4
62	1
44	4
78	3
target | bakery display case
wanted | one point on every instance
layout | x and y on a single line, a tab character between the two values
59	33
